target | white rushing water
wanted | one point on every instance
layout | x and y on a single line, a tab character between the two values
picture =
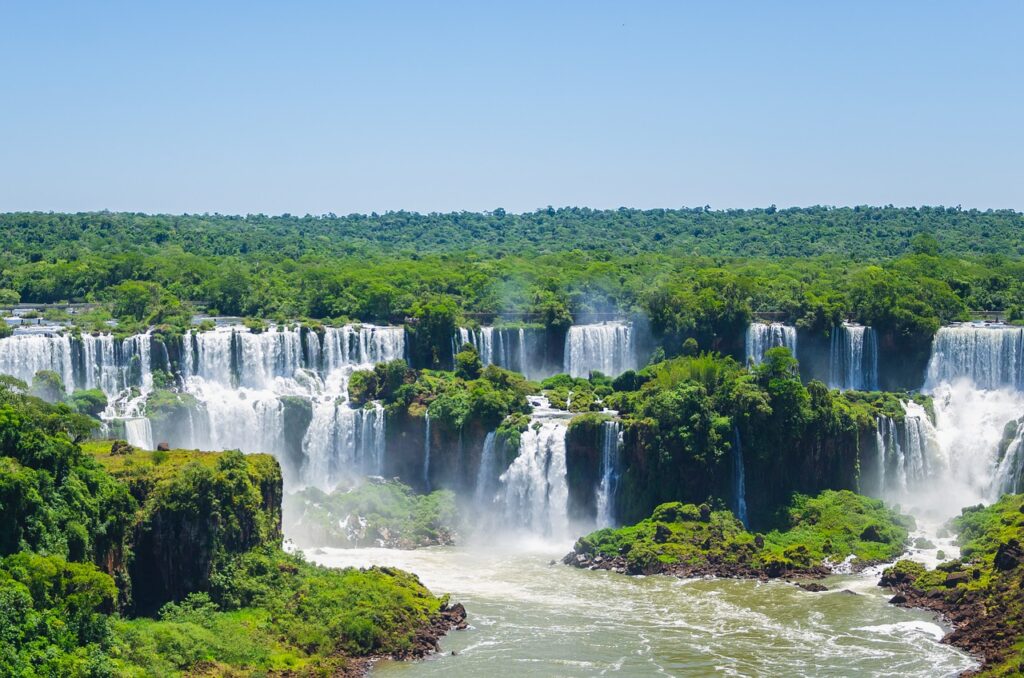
990	357
611	444
934	470
604	347
535	493
532	619
234	381
517	349
739	475
483	493
763	336
853	358
426	450
239	378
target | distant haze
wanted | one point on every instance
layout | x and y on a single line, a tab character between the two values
317	107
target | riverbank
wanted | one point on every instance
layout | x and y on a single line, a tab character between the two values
530	618
981	593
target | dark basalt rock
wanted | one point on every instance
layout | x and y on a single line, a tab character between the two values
1009	556
812	586
956	578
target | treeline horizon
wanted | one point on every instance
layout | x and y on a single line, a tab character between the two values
857	232
696	273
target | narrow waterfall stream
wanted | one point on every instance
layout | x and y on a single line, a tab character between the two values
426	450
739	475
611	443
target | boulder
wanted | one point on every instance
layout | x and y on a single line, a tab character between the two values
957	578
1009	555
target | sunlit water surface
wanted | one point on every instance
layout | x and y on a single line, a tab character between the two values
530	618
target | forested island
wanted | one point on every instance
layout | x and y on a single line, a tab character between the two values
196	411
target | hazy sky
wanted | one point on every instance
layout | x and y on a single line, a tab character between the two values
313	107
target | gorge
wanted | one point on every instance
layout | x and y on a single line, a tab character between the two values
598	439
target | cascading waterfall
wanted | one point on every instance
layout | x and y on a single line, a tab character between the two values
739	477
234	381
976	378
882	426
603	347
853	358
763	336
990	357
426	451
535	489
909	458
517	349
1009	475
342	443
139	433
483	493
611	443
22	355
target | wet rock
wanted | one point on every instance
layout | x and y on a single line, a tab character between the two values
813	586
1009	555
163	447
871	533
956	578
661	534
121	447
898	599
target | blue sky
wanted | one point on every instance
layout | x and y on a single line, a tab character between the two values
314	107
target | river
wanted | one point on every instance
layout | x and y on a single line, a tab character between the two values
531	618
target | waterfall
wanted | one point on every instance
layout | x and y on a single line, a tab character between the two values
483	494
1009	475
22	355
990	357
342	443
239	376
763	336
739	478
426	451
853	358
936	468
235	379
536	493
518	349
908	455
880	453
139	433
611	443
603	347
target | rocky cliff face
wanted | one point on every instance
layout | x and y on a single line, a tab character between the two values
196	509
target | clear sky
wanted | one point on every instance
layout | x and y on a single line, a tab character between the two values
314	107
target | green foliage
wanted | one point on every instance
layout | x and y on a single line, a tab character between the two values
467	362
836	524
823	529
54	617
196	536
48	385
371	514
90	402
